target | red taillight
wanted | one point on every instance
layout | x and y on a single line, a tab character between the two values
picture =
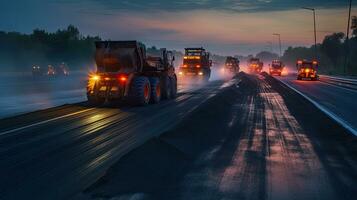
123	78
198	66
185	65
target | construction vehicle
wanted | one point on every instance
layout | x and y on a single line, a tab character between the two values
196	64
126	73
51	71
276	68
231	66
62	69
255	65
36	71
307	70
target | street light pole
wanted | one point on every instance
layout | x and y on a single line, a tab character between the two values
279	35
315	35
347	39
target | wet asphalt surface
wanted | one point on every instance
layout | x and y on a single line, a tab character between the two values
59	158
339	100
255	140
249	138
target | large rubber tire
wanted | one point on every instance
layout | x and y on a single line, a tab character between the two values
299	78
166	87
173	83
155	90
140	91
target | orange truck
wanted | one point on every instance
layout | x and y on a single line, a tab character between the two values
276	68
231	66
126	73
255	65
307	70
196	64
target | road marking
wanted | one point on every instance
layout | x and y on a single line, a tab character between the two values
330	114
44	122
339	78
338	86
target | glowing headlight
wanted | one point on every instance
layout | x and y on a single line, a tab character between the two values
95	78
200	73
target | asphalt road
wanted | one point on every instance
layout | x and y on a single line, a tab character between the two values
249	138
256	140
21	94
56	153
339	100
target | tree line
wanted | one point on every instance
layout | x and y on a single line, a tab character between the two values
19	52
336	54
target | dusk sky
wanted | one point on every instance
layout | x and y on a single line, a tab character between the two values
222	26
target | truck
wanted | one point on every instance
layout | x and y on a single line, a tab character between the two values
36	71
276	68
51	70
255	65
126	74
62	69
231	66
307	70
196	64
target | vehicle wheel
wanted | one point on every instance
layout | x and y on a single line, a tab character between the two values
155	90
173	81
299	78
95	101
166	87
140	91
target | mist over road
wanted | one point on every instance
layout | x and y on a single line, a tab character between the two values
22	93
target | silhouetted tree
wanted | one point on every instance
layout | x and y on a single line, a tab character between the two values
332	46
267	56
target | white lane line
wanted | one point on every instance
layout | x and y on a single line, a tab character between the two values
44	122
338	86
339	78
339	120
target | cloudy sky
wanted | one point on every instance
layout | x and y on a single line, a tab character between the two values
222	26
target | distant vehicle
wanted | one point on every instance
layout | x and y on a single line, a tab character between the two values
51	71
307	70
36	71
196	63
276	68
125	73
255	65
62	70
231	66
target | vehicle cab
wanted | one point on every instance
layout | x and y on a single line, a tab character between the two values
276	68
231	65
196	63
307	70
